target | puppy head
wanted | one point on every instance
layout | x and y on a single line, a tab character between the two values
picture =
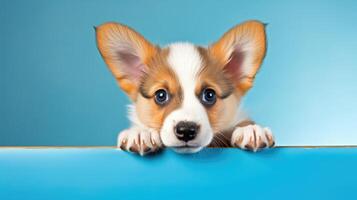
187	93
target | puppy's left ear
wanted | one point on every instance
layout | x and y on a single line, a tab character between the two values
240	52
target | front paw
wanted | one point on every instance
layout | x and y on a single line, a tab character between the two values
141	141
252	137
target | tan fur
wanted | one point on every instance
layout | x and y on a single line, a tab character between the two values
160	76
212	76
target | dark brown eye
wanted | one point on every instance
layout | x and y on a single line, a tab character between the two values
161	97
208	97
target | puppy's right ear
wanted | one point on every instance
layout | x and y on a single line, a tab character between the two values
126	53
241	51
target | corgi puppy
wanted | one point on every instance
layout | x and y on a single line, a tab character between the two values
186	97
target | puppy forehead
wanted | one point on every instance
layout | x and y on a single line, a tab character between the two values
186	61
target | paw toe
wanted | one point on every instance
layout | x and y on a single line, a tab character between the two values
269	136
252	138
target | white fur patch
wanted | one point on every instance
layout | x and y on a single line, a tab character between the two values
133	117
186	62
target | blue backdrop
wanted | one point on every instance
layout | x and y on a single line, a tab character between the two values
56	90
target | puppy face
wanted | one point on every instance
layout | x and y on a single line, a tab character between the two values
185	92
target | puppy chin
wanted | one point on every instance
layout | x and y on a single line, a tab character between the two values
187	150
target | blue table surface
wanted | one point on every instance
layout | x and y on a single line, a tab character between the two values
280	173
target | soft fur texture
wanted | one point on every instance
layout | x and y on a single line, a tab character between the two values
184	70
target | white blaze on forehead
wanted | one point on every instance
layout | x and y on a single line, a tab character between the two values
186	62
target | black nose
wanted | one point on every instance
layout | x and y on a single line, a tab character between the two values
186	131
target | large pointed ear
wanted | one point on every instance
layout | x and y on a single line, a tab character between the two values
126	53
240	51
